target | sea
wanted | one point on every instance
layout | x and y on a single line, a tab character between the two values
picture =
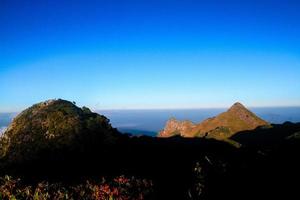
150	122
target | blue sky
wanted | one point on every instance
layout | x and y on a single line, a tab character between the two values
150	54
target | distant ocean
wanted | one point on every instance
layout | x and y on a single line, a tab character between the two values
5	119
149	122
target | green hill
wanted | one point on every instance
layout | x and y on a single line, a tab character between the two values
54	124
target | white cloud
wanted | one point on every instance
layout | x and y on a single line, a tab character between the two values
2	130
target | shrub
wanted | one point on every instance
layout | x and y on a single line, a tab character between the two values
119	188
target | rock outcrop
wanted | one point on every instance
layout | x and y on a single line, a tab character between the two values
175	127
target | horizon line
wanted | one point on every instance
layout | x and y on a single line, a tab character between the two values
166	108
191	108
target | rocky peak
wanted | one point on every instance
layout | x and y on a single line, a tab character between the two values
237	118
241	112
237	106
175	127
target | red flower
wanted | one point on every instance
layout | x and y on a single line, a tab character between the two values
105	189
121	180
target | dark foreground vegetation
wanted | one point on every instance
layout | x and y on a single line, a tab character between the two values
119	188
265	166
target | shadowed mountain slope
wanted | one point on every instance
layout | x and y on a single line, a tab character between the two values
53	124
57	141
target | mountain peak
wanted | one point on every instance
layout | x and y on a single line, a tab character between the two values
237	118
237	105
175	127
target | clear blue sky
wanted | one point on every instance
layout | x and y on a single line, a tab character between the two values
150	54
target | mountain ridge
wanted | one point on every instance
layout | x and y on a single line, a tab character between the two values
237	118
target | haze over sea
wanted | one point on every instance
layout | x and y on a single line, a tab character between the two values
149	122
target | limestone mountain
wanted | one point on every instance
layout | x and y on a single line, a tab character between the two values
53	125
176	127
237	118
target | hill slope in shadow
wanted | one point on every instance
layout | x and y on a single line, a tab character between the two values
181	168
